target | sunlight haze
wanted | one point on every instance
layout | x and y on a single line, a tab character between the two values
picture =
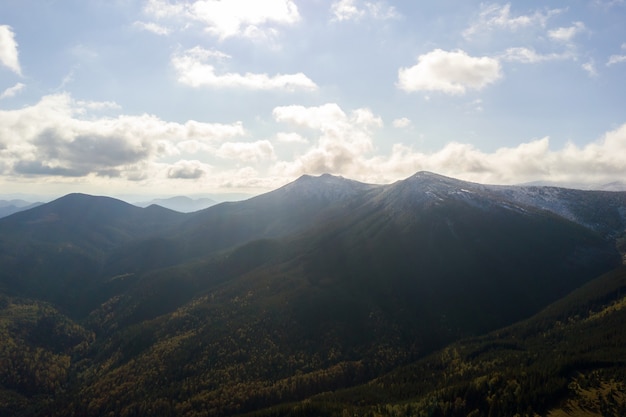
166	97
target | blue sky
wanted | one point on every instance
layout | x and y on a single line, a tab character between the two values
166	97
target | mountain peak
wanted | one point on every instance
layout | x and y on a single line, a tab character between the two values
427	176
326	177
426	188
322	187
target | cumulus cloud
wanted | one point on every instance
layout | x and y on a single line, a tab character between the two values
343	10
596	162
9	56
232	18
496	16
343	138
188	170
451	72
12	91
247	151
194	70
401	123
61	136
345	145
566	34
63	139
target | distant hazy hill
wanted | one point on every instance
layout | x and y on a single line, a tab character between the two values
8	207
321	285
57	249
182	204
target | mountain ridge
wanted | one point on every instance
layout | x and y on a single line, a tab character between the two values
323	284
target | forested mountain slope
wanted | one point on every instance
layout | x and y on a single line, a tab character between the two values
568	360
323	284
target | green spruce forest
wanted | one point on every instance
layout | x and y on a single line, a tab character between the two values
327	297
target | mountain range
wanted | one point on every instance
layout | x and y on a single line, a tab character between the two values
266	306
182	204
8	207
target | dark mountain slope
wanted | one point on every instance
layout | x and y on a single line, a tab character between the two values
322	285
463	258
95	222
56	250
289	209
389	276
568	360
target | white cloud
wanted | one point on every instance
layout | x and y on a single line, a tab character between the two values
202	54
162	9
152	27
530	56
496	16
590	68
343	139
247	151
60	136
311	117
193	70
449	72
345	146
566	34
381	10
12	91
343	10
291	137
188	170
346	10
225	19
9	56
598	162
83	105
615	59
401	123
60	139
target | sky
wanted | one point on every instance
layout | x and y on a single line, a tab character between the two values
171	97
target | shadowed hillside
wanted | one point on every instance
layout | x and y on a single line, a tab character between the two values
322	285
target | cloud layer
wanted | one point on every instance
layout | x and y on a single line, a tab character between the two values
8	50
329	87
65	138
345	146
60	136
